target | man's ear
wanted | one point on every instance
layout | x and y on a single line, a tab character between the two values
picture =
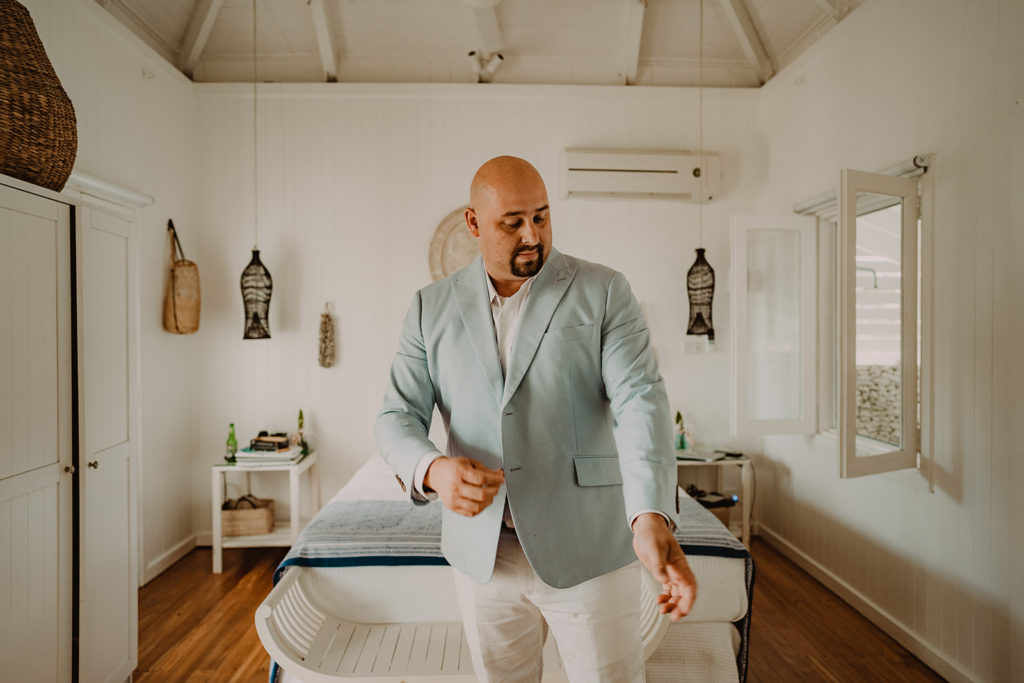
474	228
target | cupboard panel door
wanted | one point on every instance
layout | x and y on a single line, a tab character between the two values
105	628
35	438
108	570
28	335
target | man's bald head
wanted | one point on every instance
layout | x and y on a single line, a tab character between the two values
500	175
509	215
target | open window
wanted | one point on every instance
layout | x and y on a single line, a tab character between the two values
829	320
878	418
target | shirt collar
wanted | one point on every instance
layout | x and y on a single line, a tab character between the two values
495	298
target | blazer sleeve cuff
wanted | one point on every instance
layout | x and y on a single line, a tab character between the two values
668	520
420	474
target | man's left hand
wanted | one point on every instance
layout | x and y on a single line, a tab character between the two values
659	551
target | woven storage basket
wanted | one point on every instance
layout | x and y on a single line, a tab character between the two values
249	521
38	140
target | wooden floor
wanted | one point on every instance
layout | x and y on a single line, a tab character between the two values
198	626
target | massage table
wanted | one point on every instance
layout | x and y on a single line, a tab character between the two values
365	595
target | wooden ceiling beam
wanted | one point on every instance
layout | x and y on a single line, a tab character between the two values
323	41
743	26
198	33
631	45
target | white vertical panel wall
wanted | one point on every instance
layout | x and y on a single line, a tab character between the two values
353	181
136	127
943	572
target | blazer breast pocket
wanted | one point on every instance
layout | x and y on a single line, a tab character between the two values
597	470
583	331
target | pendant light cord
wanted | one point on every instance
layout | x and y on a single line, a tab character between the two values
700	125
255	145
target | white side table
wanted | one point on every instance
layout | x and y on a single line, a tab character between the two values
283	534
746	484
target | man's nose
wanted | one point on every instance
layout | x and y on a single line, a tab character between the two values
528	235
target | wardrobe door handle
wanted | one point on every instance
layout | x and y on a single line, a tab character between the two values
95	464
70	469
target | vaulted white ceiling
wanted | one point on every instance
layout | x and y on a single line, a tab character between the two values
645	42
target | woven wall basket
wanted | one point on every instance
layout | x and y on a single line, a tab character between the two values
38	140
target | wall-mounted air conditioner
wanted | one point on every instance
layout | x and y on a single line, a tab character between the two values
641	173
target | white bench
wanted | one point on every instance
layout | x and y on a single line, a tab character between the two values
319	647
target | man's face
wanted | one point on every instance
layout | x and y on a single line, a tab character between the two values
512	225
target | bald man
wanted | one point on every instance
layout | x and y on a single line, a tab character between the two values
559	471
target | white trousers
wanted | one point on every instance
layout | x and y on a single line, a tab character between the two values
596	624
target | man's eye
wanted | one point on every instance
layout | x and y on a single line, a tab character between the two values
539	219
514	225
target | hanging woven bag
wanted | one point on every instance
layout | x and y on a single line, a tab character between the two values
38	135
326	338
181	304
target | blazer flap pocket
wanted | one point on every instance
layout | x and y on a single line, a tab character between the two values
575	332
597	470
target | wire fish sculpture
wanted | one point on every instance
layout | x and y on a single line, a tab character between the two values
326	338
700	288
257	287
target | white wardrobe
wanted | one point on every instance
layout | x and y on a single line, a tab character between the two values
68	459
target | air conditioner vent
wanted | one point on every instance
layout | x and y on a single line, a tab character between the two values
641	173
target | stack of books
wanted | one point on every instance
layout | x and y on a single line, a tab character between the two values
248	456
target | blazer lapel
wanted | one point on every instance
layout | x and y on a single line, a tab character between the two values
470	290
545	293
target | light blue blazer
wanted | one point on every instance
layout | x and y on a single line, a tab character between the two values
580	424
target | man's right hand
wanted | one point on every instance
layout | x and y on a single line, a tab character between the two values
465	486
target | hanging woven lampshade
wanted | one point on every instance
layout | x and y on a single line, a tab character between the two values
700	288
700	279
257	287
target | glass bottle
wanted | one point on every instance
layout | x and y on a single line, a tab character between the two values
232	445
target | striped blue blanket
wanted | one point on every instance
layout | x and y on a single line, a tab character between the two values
388	532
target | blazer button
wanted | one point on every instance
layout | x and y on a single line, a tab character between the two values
508	412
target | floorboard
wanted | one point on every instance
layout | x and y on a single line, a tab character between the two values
802	631
197	627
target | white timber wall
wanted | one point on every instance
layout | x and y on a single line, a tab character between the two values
942	571
136	119
353	180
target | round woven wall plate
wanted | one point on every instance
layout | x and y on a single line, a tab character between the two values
452	247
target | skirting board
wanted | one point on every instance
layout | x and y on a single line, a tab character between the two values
157	567
938	662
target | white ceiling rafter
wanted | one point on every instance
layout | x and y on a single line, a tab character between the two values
830	7
568	42
199	28
743	26
488	28
631	46
323	40
128	16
